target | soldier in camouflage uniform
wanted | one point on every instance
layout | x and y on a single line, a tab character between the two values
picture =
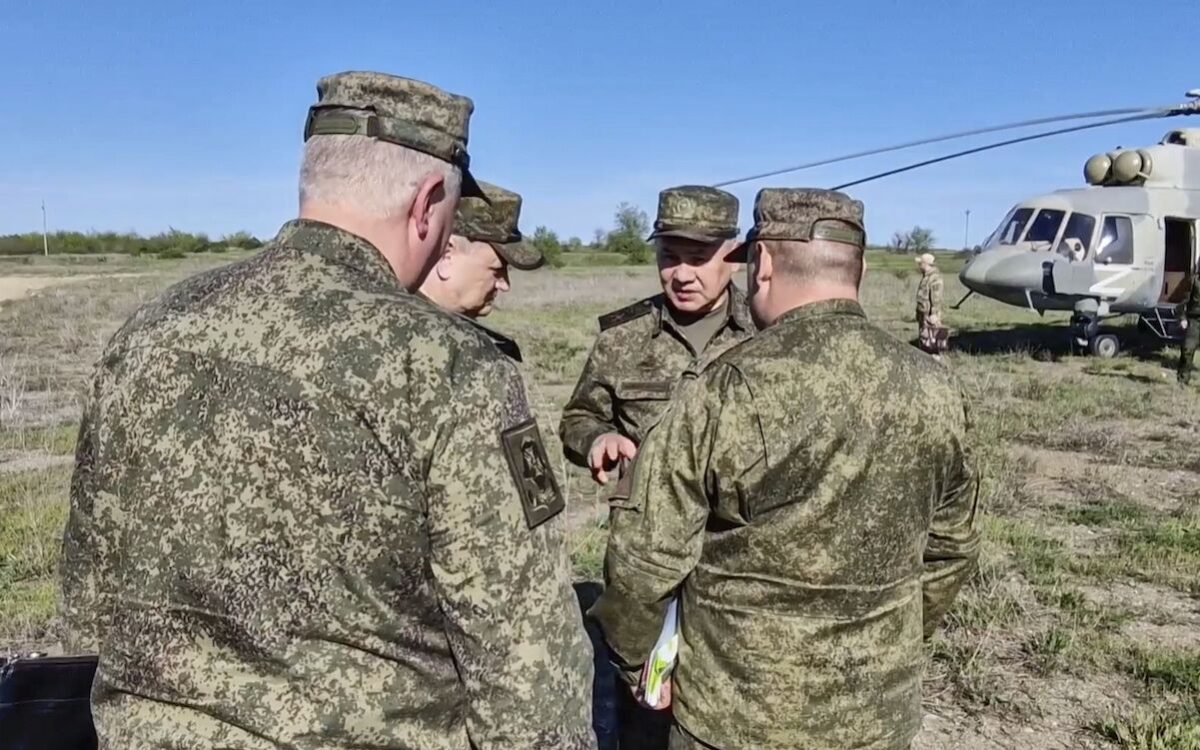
809	496
486	240
640	353
1190	320
930	331
304	512
642	349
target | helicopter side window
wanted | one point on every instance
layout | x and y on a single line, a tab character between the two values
1077	236
1045	227
1011	232
1116	241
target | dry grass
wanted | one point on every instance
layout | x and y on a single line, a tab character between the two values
1090	487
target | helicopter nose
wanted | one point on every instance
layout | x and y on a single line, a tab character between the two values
1005	270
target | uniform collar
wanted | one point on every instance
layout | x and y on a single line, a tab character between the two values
824	308
737	313
338	246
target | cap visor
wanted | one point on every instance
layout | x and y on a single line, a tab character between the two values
739	254
471	189
521	255
686	234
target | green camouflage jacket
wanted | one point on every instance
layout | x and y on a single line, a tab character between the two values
311	510
929	296
811	495
633	366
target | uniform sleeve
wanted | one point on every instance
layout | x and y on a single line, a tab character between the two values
699	461
79	606
936	289
952	545
588	413
504	588
923	296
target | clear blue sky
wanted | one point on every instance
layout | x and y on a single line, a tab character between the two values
140	115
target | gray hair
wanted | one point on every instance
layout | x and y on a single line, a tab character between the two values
375	177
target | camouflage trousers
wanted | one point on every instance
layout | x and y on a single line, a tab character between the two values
934	339
1187	352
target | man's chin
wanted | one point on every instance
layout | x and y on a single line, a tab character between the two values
689	304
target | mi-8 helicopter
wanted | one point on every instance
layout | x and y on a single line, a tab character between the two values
1126	244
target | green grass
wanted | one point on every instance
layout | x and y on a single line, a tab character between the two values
593	260
1161	550
1115	513
32	516
1176	671
587	552
1163	729
58	441
1041	559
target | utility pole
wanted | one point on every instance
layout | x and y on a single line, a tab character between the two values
967	230
45	242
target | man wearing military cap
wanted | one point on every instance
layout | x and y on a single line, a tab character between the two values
485	241
641	351
809	496
643	348
931	333
312	509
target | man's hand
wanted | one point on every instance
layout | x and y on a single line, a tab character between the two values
639	691
607	451
1183	324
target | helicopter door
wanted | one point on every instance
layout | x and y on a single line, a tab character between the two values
1178	260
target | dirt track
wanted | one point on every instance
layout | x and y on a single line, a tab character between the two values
16	287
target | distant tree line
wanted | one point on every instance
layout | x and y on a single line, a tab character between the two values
625	242
169	244
915	240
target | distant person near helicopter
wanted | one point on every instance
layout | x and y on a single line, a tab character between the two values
933	335
1191	333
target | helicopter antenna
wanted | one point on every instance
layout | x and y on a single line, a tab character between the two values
1191	107
1000	144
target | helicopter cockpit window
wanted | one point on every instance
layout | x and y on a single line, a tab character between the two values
1011	231
1116	241
1077	236
1045	226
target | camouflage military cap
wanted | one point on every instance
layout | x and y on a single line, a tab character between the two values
696	212
398	110
495	222
807	214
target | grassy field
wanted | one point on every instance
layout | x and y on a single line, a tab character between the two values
1081	630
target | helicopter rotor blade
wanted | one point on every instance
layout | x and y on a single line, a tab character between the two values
1159	111
1001	144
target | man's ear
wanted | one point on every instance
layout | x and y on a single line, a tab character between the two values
764	269
444	268
431	191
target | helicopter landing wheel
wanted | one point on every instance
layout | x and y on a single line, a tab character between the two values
1105	345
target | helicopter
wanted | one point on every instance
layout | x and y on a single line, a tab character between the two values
1125	244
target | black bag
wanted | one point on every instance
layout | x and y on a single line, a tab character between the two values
45	703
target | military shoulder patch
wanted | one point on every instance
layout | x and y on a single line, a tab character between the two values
530	467
626	314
